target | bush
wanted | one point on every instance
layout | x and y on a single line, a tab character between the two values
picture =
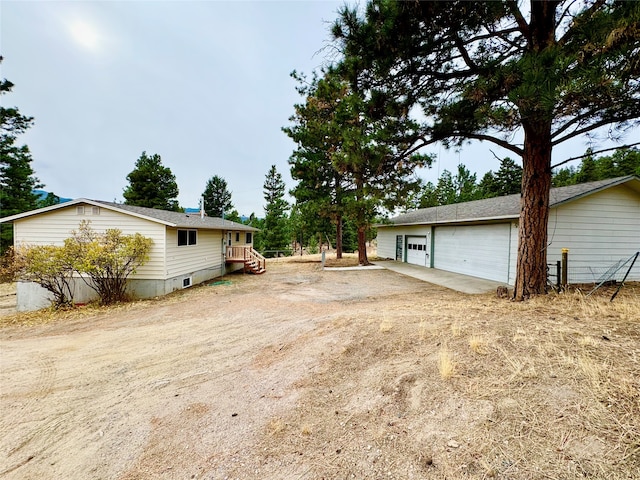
108	259
104	261
50	266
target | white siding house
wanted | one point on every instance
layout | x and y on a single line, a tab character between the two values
599	222
187	249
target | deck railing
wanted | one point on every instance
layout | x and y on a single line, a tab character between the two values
246	254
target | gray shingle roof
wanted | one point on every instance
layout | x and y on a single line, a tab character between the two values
501	207
180	219
171	219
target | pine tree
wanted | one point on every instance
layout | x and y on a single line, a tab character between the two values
152	185
274	235
17	180
217	198
551	70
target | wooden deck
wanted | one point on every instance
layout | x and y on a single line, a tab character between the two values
252	260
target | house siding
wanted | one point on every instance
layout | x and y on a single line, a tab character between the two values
206	254
52	228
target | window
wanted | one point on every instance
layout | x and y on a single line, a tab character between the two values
187	237
79	210
95	210
248	238
237	237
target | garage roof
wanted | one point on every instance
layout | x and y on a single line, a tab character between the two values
505	207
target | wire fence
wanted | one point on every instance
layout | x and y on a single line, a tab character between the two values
596	273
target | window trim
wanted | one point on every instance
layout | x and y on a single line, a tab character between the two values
191	238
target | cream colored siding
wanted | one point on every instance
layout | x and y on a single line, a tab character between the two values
598	230
206	254
513	253
477	250
387	238
55	226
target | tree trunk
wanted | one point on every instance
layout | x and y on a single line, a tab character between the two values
362	245
531	274
339	236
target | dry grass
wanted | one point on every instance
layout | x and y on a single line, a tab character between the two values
477	344
386	325
548	388
446	366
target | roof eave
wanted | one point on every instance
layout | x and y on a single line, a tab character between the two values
445	222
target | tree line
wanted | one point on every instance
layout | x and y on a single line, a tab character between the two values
463	186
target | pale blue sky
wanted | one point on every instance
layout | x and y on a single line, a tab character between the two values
203	84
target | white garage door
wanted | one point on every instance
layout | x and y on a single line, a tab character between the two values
417	251
479	250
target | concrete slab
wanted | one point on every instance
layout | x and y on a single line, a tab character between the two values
454	281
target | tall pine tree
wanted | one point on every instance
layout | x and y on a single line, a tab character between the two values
152	185
17	180
551	70
274	235
217	197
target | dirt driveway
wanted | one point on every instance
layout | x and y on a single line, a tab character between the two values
298	373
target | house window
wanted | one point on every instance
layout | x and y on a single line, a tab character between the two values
237	237
248	238
80	210
95	210
187	237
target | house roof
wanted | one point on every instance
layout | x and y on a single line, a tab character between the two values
506	207
170	219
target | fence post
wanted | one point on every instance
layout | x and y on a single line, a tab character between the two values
323	257
558	273
565	263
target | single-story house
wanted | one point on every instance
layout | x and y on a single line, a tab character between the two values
187	248
599	222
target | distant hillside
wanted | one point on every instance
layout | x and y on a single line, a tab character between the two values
42	195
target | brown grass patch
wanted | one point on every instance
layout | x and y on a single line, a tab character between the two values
542	389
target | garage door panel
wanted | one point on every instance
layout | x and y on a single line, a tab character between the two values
479	250
417	250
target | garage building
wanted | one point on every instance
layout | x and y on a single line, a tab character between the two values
599	222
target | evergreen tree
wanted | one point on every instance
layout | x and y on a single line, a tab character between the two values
563	177
17	180
152	185
465	185
274	235
345	155
553	70
624	161
506	181
321	190
217	198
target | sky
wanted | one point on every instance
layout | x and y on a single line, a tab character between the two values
204	84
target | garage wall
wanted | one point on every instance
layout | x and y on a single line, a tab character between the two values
478	250
387	238
598	230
